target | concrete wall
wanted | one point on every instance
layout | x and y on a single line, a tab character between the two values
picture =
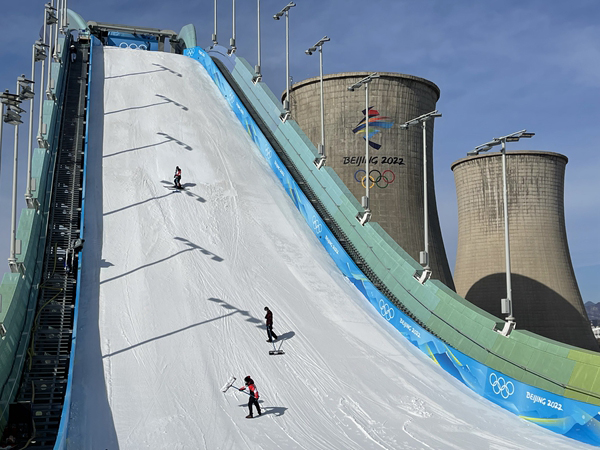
396	193
546	298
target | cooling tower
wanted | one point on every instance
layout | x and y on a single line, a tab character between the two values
396	155
546	298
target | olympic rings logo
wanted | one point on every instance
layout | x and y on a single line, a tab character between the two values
133	46
501	386
386	310
316	223
376	178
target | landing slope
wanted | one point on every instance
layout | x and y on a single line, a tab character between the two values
175	282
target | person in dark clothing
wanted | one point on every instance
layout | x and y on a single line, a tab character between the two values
177	178
253	396
73	52
269	318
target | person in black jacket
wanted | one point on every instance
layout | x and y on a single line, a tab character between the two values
253	396
269	318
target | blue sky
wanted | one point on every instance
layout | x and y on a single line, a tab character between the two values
501	67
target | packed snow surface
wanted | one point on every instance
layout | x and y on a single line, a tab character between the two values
174	285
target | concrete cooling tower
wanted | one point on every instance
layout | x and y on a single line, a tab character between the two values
546	298
396	154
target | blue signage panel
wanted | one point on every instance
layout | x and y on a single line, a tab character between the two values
132	41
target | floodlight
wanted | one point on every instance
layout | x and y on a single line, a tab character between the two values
26	92
39	49
284	10
51	18
420	119
9	99
322	41
365	80
12	117
483	148
15	108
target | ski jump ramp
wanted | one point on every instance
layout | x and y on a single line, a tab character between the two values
174	283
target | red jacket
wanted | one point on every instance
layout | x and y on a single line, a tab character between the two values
252	389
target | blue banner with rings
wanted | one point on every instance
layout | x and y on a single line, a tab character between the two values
571	418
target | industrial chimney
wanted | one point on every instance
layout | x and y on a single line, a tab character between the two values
546	298
396	154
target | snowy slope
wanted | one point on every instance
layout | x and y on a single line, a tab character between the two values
175	282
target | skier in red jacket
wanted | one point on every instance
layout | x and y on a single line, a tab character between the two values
253	396
177	178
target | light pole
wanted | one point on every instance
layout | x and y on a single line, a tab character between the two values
424	256
2	97
59	12
38	53
257	75
214	36
23	90
365	216
48	14
40	139
65	24
12	115
51	19
56	28
286	103
319	45
231	51
506	303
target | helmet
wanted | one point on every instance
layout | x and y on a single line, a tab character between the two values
177	167
248	380
266	308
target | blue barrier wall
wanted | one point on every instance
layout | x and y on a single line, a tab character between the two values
572	418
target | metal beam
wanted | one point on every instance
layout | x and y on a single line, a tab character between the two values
96	27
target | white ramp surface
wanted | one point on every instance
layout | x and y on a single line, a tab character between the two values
175	282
